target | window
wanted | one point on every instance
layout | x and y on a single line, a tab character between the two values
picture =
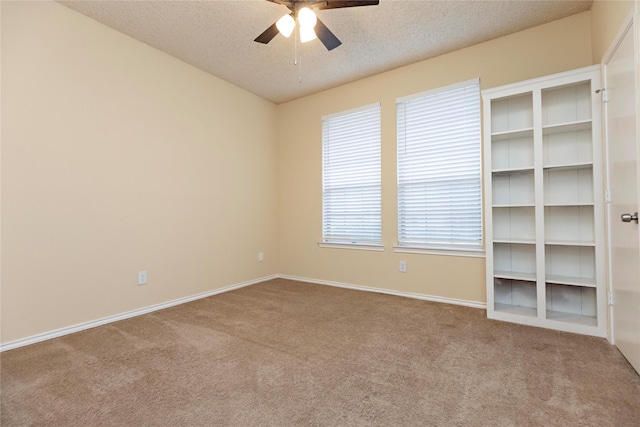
439	169
351	184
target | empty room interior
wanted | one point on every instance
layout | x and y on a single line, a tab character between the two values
173	251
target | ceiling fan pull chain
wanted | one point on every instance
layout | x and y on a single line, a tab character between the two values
295	48
297	60
300	68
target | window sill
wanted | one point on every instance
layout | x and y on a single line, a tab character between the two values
469	253
355	246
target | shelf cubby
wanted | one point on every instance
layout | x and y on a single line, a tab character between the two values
513	188
571	304
512	151
569	225
566	104
515	297
514	224
561	146
514	261
512	114
568	186
570	265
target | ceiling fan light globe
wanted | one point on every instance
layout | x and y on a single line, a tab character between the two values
286	25
307	18
307	34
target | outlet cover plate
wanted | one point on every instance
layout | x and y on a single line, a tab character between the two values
142	277
403	266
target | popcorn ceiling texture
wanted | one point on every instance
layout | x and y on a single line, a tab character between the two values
217	36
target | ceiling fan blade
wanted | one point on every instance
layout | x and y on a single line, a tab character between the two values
328	39
337	4
268	35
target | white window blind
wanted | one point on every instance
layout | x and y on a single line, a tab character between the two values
351	195
439	169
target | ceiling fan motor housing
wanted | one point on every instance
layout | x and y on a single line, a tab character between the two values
328	39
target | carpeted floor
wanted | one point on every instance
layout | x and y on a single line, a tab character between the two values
283	353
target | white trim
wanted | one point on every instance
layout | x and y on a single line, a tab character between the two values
424	297
133	313
629	24
470	253
351	111
539	82
356	246
453	86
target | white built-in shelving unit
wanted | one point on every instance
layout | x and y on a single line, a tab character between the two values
544	206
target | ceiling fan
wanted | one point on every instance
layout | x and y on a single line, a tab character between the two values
310	26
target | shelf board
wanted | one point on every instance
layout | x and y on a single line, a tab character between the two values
506	171
516	309
573	281
568	243
515	206
566	205
566	127
569	166
515	275
525	205
577	319
512	134
516	241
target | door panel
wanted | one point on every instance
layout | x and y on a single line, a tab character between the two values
622	165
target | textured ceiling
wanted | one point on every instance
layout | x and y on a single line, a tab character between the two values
217	36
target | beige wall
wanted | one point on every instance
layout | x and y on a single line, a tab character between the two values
118	158
559	46
606	19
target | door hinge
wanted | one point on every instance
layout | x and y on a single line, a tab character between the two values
605	97
607	196
610	297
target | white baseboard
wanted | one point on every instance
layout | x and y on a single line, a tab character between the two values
110	319
466	303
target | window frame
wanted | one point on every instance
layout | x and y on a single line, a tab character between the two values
450	247
355	243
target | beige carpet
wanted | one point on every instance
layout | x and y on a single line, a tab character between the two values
284	353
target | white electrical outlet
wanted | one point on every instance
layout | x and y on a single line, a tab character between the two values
260	256
142	277
403	266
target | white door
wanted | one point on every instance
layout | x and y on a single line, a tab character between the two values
622	165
